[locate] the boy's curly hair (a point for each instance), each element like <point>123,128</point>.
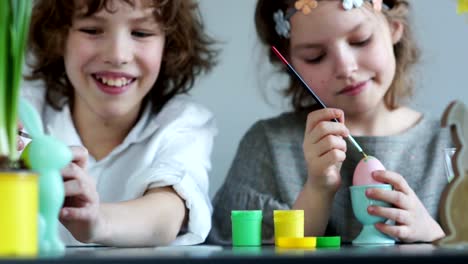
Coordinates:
<point>406,52</point>
<point>188,50</point>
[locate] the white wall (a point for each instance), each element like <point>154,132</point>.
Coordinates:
<point>234,90</point>
<point>443,37</point>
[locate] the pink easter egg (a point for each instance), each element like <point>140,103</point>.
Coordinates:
<point>362,173</point>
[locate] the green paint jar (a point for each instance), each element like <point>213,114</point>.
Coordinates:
<point>246,228</point>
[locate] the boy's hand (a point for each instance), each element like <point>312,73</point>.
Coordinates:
<point>324,148</point>
<point>413,222</point>
<point>80,212</point>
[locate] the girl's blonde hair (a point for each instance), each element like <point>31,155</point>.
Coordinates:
<point>406,52</point>
<point>188,50</point>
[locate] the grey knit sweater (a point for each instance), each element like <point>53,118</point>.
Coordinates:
<point>269,171</point>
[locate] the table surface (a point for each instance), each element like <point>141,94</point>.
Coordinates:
<point>405,253</point>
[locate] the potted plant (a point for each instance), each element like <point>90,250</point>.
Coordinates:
<point>18,186</point>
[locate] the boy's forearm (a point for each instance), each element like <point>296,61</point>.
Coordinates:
<point>152,220</point>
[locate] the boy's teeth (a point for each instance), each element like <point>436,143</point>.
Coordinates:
<point>119,82</point>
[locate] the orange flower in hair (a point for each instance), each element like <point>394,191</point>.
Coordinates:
<point>305,6</point>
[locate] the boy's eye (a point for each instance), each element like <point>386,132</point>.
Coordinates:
<point>90,31</point>
<point>142,34</point>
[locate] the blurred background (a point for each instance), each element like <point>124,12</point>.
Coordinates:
<point>241,90</point>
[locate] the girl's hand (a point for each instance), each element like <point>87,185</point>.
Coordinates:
<point>80,212</point>
<point>413,222</point>
<point>325,148</point>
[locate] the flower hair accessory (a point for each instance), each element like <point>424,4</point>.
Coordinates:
<point>349,4</point>
<point>305,6</point>
<point>282,25</point>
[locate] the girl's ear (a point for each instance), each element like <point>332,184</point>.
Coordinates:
<point>397,28</point>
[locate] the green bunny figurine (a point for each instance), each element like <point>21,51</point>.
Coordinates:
<point>47,156</point>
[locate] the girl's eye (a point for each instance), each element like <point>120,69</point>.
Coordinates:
<point>362,43</point>
<point>314,60</point>
<point>90,31</point>
<point>141,34</point>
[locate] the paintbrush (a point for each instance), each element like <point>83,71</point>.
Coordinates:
<point>24,134</point>
<point>316,98</point>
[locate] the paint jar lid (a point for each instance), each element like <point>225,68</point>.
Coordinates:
<point>296,242</point>
<point>246,214</point>
<point>328,241</point>
<point>287,214</point>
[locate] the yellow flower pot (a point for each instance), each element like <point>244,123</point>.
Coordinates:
<point>18,213</point>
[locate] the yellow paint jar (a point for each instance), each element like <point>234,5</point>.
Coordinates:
<point>19,205</point>
<point>288,223</point>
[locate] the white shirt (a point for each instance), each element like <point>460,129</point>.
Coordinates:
<point>171,148</point>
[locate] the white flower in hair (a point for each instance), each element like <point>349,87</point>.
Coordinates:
<point>282,26</point>
<point>350,4</point>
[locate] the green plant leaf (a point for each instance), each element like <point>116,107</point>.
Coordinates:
<point>14,26</point>
<point>4,39</point>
